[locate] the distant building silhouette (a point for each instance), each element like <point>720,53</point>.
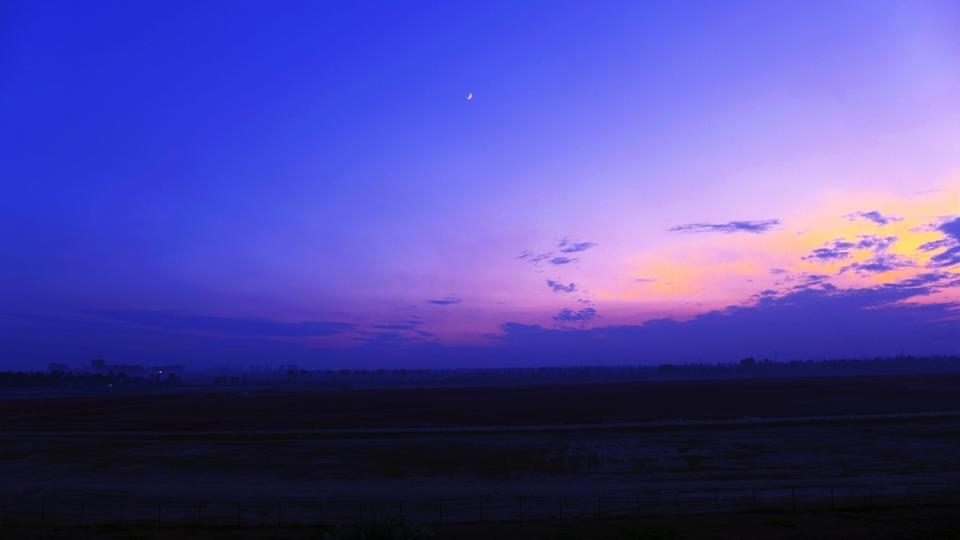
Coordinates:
<point>101,367</point>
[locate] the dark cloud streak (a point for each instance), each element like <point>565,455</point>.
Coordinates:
<point>567,247</point>
<point>841,248</point>
<point>235,326</point>
<point>567,315</point>
<point>755,227</point>
<point>446,301</point>
<point>874,216</point>
<point>559,287</point>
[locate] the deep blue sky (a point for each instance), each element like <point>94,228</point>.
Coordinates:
<point>253,182</point>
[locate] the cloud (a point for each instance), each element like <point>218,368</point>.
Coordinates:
<point>806,281</point>
<point>936,244</point>
<point>952,228</point>
<point>778,271</point>
<point>565,245</point>
<point>876,243</point>
<point>567,315</point>
<point>533,258</point>
<point>403,325</point>
<point>942,279</point>
<point>841,248</point>
<point>235,326</point>
<point>810,323</point>
<point>644,280</point>
<point>827,254</point>
<point>568,246</point>
<point>403,333</point>
<point>383,338</point>
<point>559,287</point>
<point>950,256</point>
<point>873,216</point>
<point>878,264</point>
<point>754,227</point>
<point>29,342</point>
<point>446,301</point>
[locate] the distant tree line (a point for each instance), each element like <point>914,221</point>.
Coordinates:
<point>59,379</point>
<point>361,378</point>
<point>746,368</point>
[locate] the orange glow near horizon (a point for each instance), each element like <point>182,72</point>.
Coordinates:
<point>714,270</point>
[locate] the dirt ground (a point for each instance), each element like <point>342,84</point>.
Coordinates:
<point>280,409</point>
<point>89,456</point>
<point>927,523</point>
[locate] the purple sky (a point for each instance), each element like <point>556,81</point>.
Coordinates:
<point>637,182</point>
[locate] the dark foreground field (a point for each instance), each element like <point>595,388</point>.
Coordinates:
<point>924,523</point>
<point>488,406</point>
<point>587,457</point>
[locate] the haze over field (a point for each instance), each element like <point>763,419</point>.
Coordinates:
<point>522,183</point>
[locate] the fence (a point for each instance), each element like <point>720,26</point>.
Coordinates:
<point>468,510</point>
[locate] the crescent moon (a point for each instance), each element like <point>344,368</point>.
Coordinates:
<point>469,96</point>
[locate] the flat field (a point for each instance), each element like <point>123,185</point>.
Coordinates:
<point>573,443</point>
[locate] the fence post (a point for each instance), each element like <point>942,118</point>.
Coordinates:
<point>639,512</point>
<point>910,495</point>
<point>677,501</point>
<point>239,513</point>
<point>870,496</point>
<point>756,504</point>
<point>833,500</point>
<point>793,498</point>
<point>716,500</point>
<point>279,514</point>
<point>121,511</point>
<point>598,507</point>
<point>158,514</point>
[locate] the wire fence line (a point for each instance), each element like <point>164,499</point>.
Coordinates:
<point>470,510</point>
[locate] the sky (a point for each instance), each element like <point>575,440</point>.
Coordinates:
<point>256,183</point>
